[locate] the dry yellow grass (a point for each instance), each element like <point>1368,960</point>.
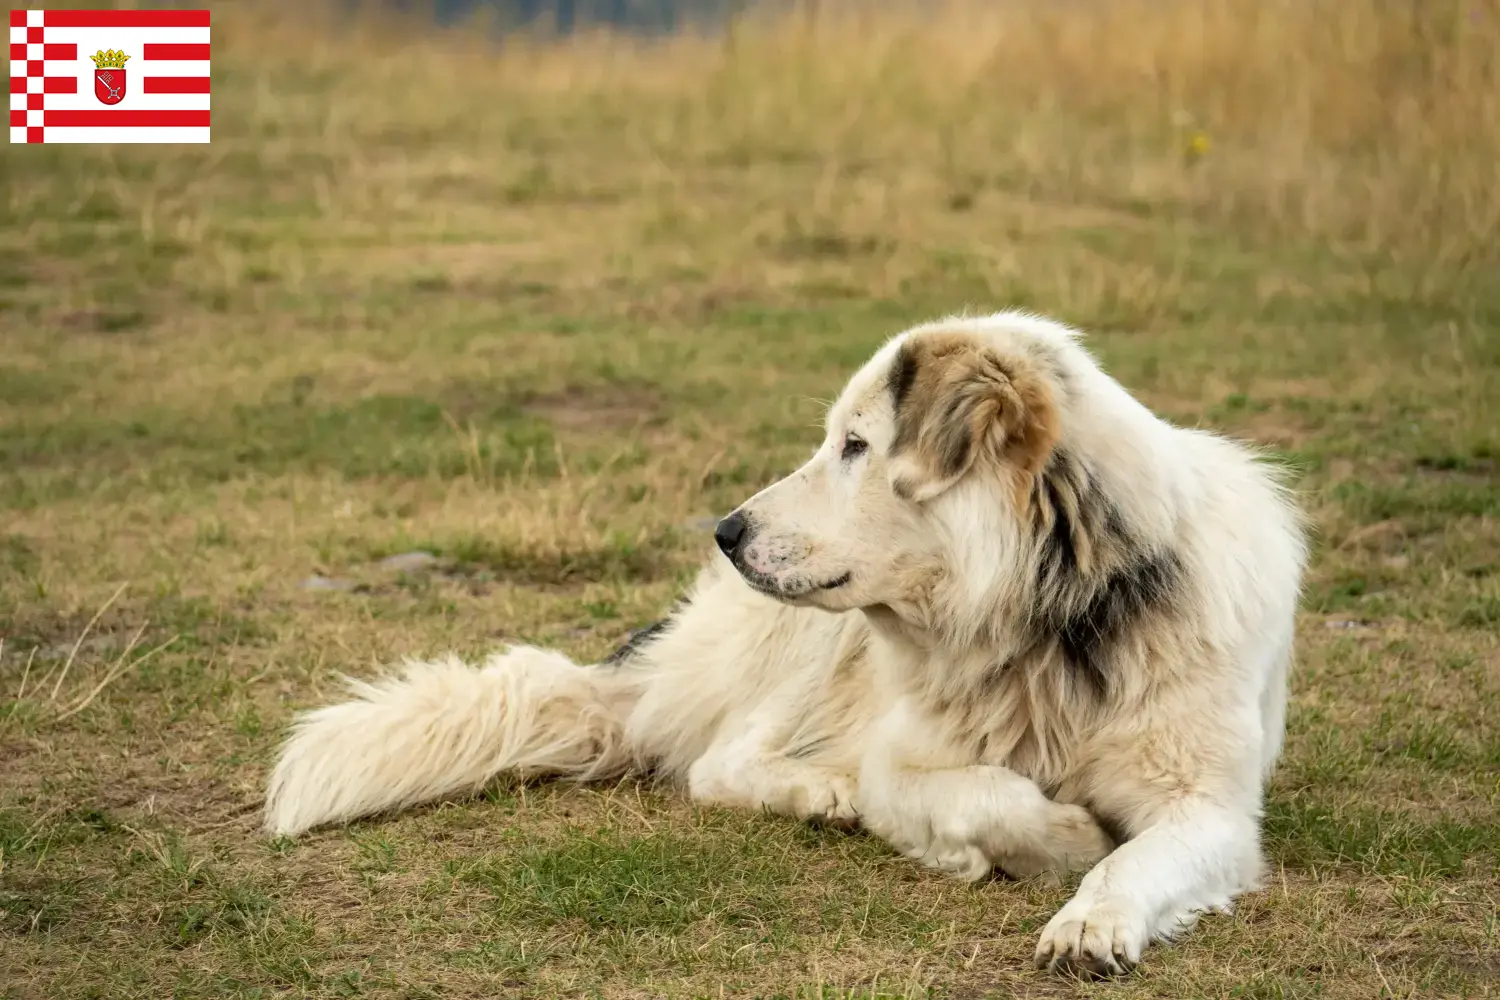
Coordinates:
<point>1369,122</point>
<point>542,308</point>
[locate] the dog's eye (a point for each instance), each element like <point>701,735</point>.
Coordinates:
<point>854,446</point>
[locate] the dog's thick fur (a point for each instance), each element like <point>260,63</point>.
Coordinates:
<point>1004,617</point>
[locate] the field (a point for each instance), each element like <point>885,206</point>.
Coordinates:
<point>543,311</point>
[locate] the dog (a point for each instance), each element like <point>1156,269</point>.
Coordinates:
<point>1005,617</point>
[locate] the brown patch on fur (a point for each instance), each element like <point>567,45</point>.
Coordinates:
<point>960,401</point>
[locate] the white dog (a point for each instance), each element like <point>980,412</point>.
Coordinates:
<point>1002,610</point>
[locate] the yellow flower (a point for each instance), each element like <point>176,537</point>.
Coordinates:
<point>1198,145</point>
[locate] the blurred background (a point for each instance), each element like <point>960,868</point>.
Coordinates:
<point>562,17</point>
<point>472,317</point>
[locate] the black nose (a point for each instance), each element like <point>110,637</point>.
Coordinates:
<point>730,532</point>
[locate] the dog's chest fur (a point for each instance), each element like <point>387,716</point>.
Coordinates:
<point>1029,713</point>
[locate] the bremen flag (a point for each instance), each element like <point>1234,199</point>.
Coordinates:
<point>109,76</point>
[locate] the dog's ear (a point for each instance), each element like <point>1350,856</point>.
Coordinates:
<point>958,403</point>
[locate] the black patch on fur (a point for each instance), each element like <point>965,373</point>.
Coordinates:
<point>1085,524</point>
<point>1124,597</point>
<point>636,640</point>
<point>903,373</point>
<point>1059,557</point>
<point>1095,580</point>
<point>643,636</point>
<point>958,438</point>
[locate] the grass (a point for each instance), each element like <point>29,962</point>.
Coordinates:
<point>541,310</point>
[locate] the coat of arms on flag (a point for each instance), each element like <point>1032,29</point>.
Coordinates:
<point>109,76</point>
<point>57,56</point>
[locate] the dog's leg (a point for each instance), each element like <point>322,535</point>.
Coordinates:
<point>1197,858</point>
<point>745,768</point>
<point>1190,803</point>
<point>967,819</point>
<point>783,785</point>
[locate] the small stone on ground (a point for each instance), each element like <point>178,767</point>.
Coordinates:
<point>316,582</point>
<point>408,562</point>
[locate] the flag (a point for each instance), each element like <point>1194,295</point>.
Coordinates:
<point>109,76</point>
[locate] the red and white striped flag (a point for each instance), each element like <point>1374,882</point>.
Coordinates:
<point>109,76</point>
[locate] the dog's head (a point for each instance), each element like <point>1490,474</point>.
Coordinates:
<point>930,444</point>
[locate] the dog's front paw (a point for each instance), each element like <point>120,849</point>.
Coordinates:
<point>951,857</point>
<point>1093,940</point>
<point>948,847</point>
<point>828,803</point>
<point>1071,841</point>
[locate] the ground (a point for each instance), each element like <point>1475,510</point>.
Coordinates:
<point>544,312</point>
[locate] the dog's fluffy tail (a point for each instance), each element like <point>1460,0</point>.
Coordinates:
<point>444,727</point>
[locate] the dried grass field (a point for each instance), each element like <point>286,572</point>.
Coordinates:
<point>540,310</point>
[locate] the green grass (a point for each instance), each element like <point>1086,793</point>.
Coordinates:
<point>544,315</point>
